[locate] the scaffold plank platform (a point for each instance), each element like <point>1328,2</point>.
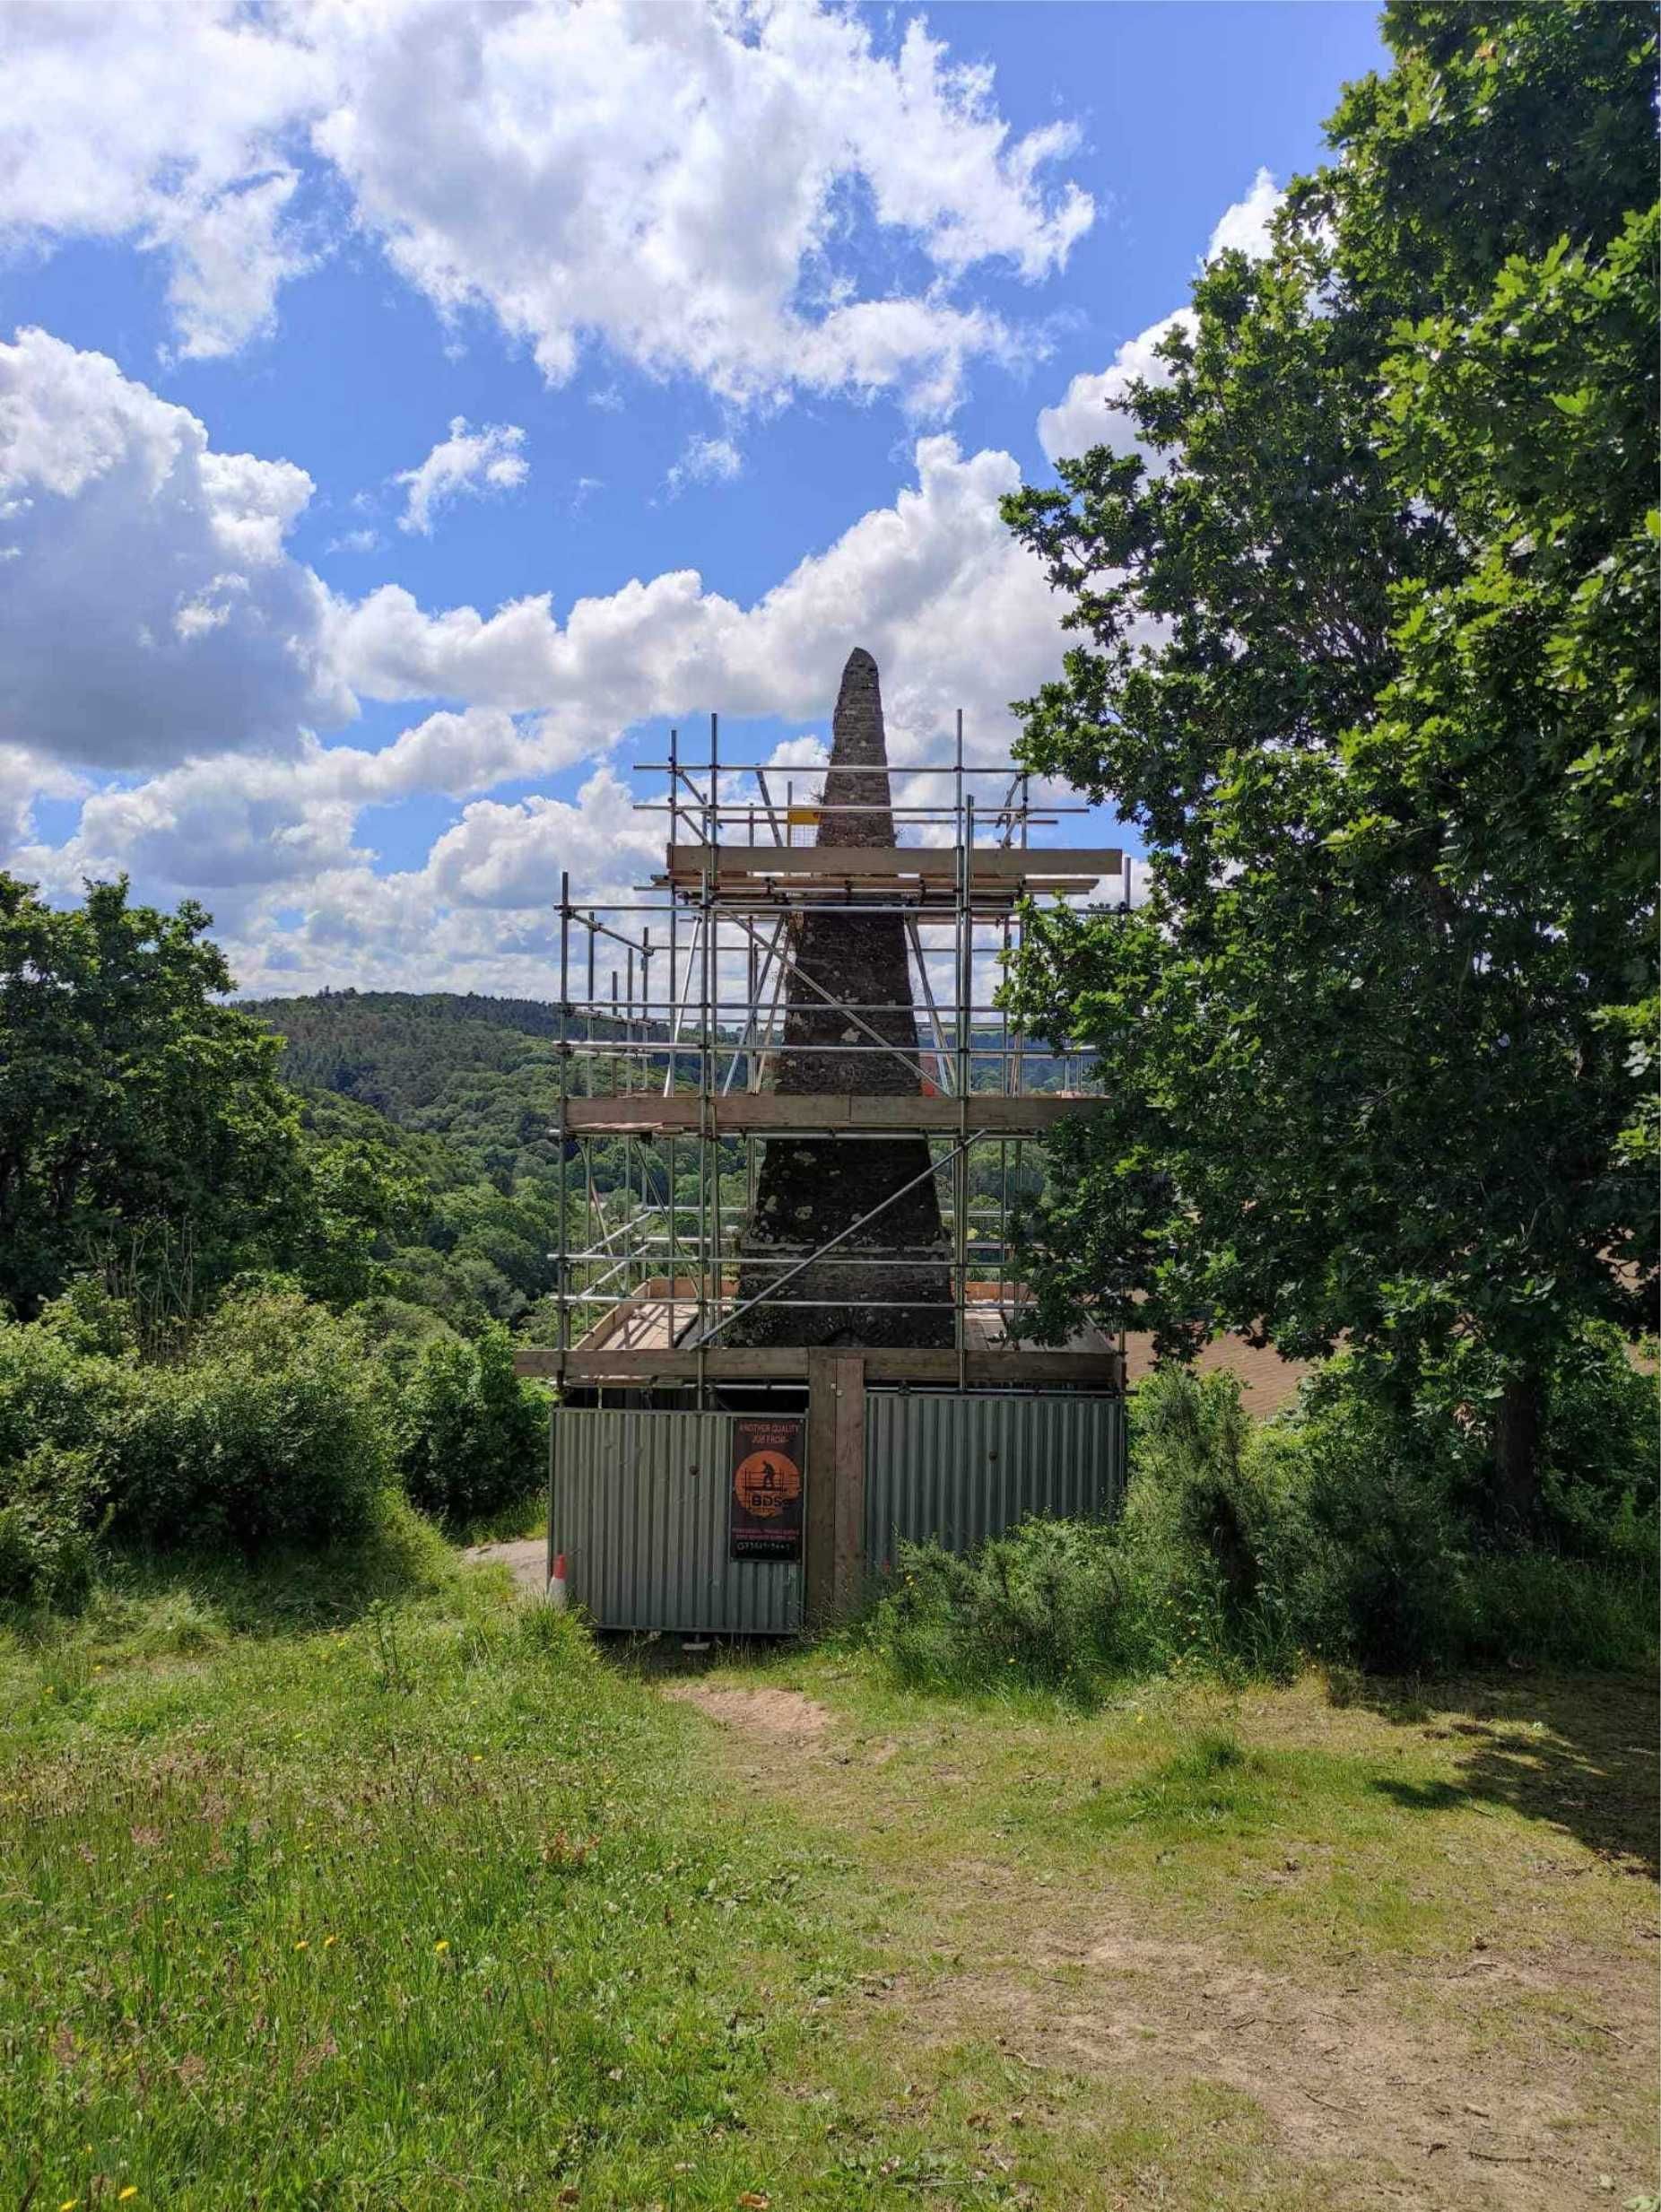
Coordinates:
<point>718,967</point>
<point>762,1113</point>
<point>1012,1368</point>
<point>1004,870</point>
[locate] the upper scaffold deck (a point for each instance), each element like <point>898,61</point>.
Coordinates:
<point>709,983</point>
<point>772,1113</point>
<point>994,877</point>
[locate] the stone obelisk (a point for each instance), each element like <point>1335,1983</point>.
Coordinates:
<point>811,1189</point>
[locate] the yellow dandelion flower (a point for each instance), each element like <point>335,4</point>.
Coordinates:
<point>443,1943</point>
<point>329,1942</point>
<point>303,1947</point>
<point>69,2204</point>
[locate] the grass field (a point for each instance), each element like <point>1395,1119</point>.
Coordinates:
<point>379,1888</point>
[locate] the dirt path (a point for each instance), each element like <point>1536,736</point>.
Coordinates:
<point>772,1713</point>
<point>1504,2077</point>
<point>526,1560</point>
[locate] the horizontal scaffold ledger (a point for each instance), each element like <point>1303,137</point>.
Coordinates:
<point>888,1281</point>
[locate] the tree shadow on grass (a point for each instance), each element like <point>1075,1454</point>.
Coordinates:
<point>181,1601</point>
<point>1576,1753</point>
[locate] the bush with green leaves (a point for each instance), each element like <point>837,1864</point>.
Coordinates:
<point>50,1504</point>
<point>272,1431</point>
<point>1336,1536</point>
<point>269,1430</point>
<point>54,1389</point>
<point>471,1434</point>
<point>1599,1493</point>
<point>1382,1573</point>
<point>1214,1522</point>
<point>1048,1606</point>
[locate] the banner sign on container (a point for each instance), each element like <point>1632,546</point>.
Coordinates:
<point>764,1505</point>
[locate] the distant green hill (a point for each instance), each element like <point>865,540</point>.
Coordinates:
<point>468,1085</point>
<point>399,1051</point>
<point>459,1088</point>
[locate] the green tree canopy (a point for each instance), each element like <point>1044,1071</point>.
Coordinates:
<point>141,1122</point>
<point>1367,651</point>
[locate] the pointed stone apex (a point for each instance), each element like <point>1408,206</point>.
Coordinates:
<point>857,743</point>
<point>857,737</point>
<point>859,701</point>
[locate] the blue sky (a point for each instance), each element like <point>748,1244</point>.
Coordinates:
<point>723,326</point>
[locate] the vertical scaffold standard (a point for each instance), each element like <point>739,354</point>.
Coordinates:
<point>876,1205</point>
<point>792,1120</point>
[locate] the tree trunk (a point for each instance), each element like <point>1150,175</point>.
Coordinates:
<point>1516,1449</point>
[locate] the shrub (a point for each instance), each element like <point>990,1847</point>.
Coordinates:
<point>1213,1520</point>
<point>273,1431</point>
<point>48,1510</point>
<point>1044,1607</point>
<point>88,1317</point>
<point>1382,1575</point>
<point>1336,1535</point>
<point>1553,1611</point>
<point>270,1431</point>
<point>470,1432</point>
<point>53,1392</point>
<point>398,1333</point>
<point>1599,1489</point>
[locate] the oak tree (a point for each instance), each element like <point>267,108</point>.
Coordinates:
<point>1365,619</point>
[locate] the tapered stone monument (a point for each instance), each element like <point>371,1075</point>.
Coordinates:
<point>810,1191</point>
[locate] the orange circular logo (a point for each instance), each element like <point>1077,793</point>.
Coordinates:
<point>766,1483</point>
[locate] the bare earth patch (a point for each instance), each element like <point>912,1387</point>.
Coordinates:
<point>757,1712</point>
<point>1514,2075</point>
<point>1387,2082</point>
<point>525,1559</point>
<point>770,1713</point>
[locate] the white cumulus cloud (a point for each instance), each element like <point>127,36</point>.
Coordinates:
<point>954,608</point>
<point>150,609</point>
<point>679,183</point>
<point>1090,415</point>
<point>168,125</point>
<point>163,636</point>
<point>705,460</point>
<point>468,463</point>
<point>1244,228</point>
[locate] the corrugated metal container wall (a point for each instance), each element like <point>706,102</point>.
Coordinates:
<point>961,1468</point>
<point>639,1510</point>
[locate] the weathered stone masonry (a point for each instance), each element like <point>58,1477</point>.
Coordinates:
<point>810,1189</point>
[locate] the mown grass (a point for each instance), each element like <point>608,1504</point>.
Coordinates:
<point>1312,1823</point>
<point>413,1907</point>
<point>363,1884</point>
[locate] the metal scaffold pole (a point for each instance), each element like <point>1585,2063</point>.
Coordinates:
<point>738,914</point>
<point>706,1069</point>
<point>965,1016</point>
<point>563,1321</point>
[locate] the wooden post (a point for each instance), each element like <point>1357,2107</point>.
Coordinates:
<point>834,1572</point>
<point>819,1570</point>
<point>848,1554</point>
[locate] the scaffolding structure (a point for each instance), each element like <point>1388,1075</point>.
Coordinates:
<point>671,1015</point>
